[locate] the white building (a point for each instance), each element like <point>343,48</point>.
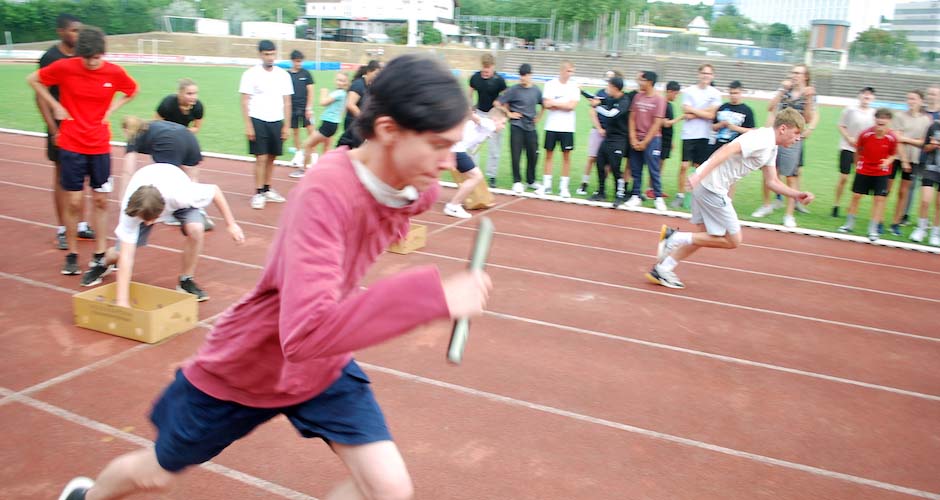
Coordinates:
<point>797,14</point>
<point>921,23</point>
<point>382,10</point>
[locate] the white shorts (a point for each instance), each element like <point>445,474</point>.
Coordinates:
<point>594,143</point>
<point>715,211</point>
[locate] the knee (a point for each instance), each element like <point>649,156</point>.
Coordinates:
<point>101,202</point>
<point>195,231</point>
<point>734,242</point>
<point>397,488</point>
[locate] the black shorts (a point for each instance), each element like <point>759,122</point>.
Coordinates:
<point>464,162</point>
<point>846,161</point>
<point>298,119</point>
<point>666,149</point>
<point>183,215</point>
<point>193,426</point>
<point>870,184</point>
<point>76,166</point>
<point>350,137</point>
<point>696,150</point>
<point>906,176</point>
<point>267,138</point>
<point>52,151</point>
<point>565,138</point>
<point>327,129</point>
<point>611,153</point>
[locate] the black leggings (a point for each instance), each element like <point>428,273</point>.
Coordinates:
<point>610,154</point>
<point>518,139</point>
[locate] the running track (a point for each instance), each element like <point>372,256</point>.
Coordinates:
<point>791,368</point>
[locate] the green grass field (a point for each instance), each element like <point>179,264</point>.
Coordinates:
<point>223,132</point>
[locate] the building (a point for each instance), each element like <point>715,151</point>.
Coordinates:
<point>372,16</point>
<point>920,21</point>
<point>798,14</point>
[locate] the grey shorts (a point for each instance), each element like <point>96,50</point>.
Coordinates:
<point>184,215</point>
<point>594,143</point>
<point>789,160</point>
<point>715,211</point>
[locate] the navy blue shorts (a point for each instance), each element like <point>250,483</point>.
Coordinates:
<point>193,427</point>
<point>76,166</point>
<point>464,163</point>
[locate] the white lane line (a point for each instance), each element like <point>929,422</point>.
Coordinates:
<point>460,222</point>
<point>262,484</point>
<point>689,298</point>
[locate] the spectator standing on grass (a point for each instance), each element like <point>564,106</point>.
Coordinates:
<point>930,183</point>
<point>87,85</point>
<point>520,102</point>
<point>356,99</point>
<point>596,136</point>
<point>488,85</point>
<point>301,103</point>
<point>875,152</point>
<point>333,104</point>
<point>183,107</point>
<point>911,127</point>
<point>647,112</point>
<point>795,93</point>
<point>700,102</point>
<point>67,29</point>
<point>672,91</point>
<point>616,108</point>
<point>732,119</point>
<point>560,97</point>
<point>266,106</point>
<point>853,121</point>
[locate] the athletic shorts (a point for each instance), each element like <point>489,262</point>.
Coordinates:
<point>870,184</point>
<point>566,139</point>
<point>930,175</point>
<point>183,215</point>
<point>789,160</point>
<point>916,170</point>
<point>464,163</point>
<point>846,161</point>
<point>327,129</point>
<point>52,151</point>
<point>267,138</point>
<point>696,150</point>
<point>76,166</point>
<point>298,119</point>
<point>666,148</point>
<point>594,143</point>
<point>715,211</point>
<point>193,427</point>
<point>611,153</point>
<point>926,183</point>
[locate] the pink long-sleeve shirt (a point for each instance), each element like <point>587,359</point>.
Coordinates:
<point>290,337</point>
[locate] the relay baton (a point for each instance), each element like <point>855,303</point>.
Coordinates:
<point>481,248</point>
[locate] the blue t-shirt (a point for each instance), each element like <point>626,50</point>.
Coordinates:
<point>335,109</point>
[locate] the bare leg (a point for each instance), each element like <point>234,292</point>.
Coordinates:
<point>902,201</point>
<point>260,163</point>
<point>59,198</point>
<point>853,205</point>
<point>133,472</point>
<point>840,187</point>
<point>878,208</point>
<point>793,183</point>
<point>683,172</point>
<point>378,473</point>
<point>472,178</point>
<point>195,235</point>
<point>100,201</point>
<point>702,239</point>
<point>565,163</point>
<point>72,209</point>
<point>269,169</point>
<point>548,161</point>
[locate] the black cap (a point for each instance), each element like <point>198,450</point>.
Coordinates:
<point>525,69</point>
<point>266,45</point>
<point>673,85</point>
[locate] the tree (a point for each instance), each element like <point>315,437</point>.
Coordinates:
<point>430,36</point>
<point>875,42</point>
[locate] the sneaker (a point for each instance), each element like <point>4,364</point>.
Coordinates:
<point>492,182</point>
<point>95,273</point>
<point>881,228</point>
<point>896,229</point>
<point>540,191</point>
<point>835,212</point>
<point>845,228</point>
<point>918,235</point>
<point>258,201</point>
<point>71,265</point>
<point>801,208</point>
<point>650,194</point>
<point>76,489</point>
<point>454,210</point>
<point>583,189</point>
<point>189,286</point>
<point>535,186</point>
<point>564,193</point>
<point>314,158</point>
<point>87,234</point>
<point>598,196</point>
<point>663,247</point>
<point>298,159</point>
<point>789,221</point>
<point>207,223</point>
<point>873,236</point>
<point>273,196</point>
<point>634,202</point>
<point>677,203</point>
<point>518,188</point>
<point>777,203</point>
<point>667,279</point>
<point>619,199</point>
<point>905,220</point>
<point>660,204</point>
<point>297,173</point>
<point>61,242</point>
<point>762,211</point>
<point>935,239</point>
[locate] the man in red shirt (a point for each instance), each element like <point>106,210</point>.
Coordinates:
<point>875,152</point>
<point>87,85</point>
<point>286,347</point>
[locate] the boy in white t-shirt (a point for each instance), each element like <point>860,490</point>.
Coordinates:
<point>560,97</point>
<point>476,130</point>
<point>712,211</point>
<point>161,192</point>
<point>853,121</point>
<point>700,103</point>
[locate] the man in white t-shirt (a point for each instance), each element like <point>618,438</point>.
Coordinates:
<point>700,102</point>
<point>266,105</point>
<point>155,193</point>
<point>854,120</point>
<point>560,97</point>
<point>712,211</point>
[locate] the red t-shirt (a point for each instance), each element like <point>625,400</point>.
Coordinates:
<point>86,94</point>
<point>872,150</point>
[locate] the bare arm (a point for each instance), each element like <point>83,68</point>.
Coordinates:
<point>116,105</point>
<point>285,128</point>
<point>42,92</point>
<point>233,229</point>
<point>772,181</point>
<point>705,113</point>
<point>631,130</point>
<point>352,103</point>
<point>309,111</point>
<point>197,124</point>
<point>125,268</point>
<point>249,128</point>
<point>325,99</point>
<point>846,135</point>
<point>470,97</point>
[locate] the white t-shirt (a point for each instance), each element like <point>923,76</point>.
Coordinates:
<point>558,120</point>
<point>855,120</point>
<point>267,90</point>
<point>178,191</point>
<point>699,98</point>
<point>474,135</point>
<point>758,149</point>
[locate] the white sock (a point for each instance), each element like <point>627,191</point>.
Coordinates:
<point>682,238</point>
<point>563,184</point>
<point>668,264</point>
<point>680,195</point>
<point>61,230</point>
<point>547,181</point>
<point>83,226</point>
<point>922,223</point>
<point>935,230</point>
<point>585,178</point>
<point>620,185</point>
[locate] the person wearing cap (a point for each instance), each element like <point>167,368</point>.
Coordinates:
<point>520,102</point>
<point>647,112</point>
<point>266,92</point>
